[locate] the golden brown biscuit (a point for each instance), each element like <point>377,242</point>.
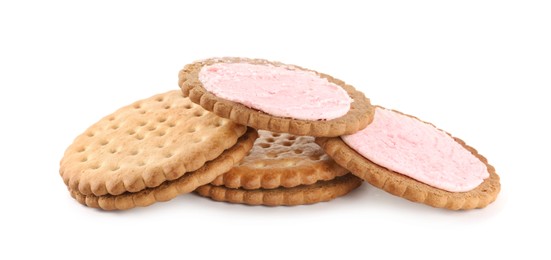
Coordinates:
<point>406,187</point>
<point>146,144</point>
<point>170,189</point>
<point>359,115</point>
<point>300,195</point>
<point>281,160</point>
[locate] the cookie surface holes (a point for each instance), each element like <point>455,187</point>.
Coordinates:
<point>115,168</point>
<point>161,133</point>
<point>142,111</point>
<point>103,142</point>
<point>137,106</point>
<point>95,166</point>
<point>143,123</point>
<point>112,150</point>
<point>287,143</point>
<point>131,132</point>
<point>111,118</point>
<point>167,107</point>
<point>298,151</point>
<point>139,137</point>
<point>292,137</point>
<point>159,99</point>
<point>81,149</point>
<point>151,128</point>
<point>161,119</point>
<point>134,152</point>
<point>141,163</point>
<point>84,159</point>
<point>188,106</point>
<point>171,124</point>
<point>270,140</point>
<point>115,127</point>
<point>191,130</point>
<point>90,134</point>
<point>265,145</point>
<point>168,155</point>
<point>276,134</point>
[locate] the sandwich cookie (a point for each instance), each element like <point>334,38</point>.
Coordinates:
<point>151,150</point>
<point>300,195</point>
<point>282,169</point>
<point>276,97</point>
<point>417,161</point>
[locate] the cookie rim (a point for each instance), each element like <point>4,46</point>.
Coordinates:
<point>280,178</point>
<point>361,112</point>
<point>321,191</point>
<point>168,190</point>
<point>406,187</point>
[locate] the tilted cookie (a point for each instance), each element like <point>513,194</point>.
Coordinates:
<point>148,144</point>
<point>281,160</point>
<point>300,195</point>
<point>276,97</point>
<point>414,160</point>
<point>170,189</point>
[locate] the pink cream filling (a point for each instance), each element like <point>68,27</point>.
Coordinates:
<point>418,150</point>
<point>276,90</point>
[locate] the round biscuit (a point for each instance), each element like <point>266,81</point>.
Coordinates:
<point>145,144</point>
<point>358,117</point>
<point>170,189</point>
<point>411,189</point>
<point>301,195</point>
<point>281,160</point>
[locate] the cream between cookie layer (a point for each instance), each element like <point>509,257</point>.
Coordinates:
<point>418,150</point>
<point>277,90</point>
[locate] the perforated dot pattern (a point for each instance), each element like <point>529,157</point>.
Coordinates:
<point>144,144</point>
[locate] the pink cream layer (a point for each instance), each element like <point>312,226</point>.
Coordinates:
<point>275,90</point>
<point>418,150</point>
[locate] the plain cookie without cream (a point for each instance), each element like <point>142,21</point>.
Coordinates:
<point>320,191</point>
<point>170,189</point>
<point>281,160</point>
<point>145,145</point>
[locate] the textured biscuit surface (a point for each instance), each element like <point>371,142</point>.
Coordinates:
<point>170,189</point>
<point>144,144</point>
<point>408,188</point>
<point>358,117</point>
<point>281,160</point>
<point>300,195</point>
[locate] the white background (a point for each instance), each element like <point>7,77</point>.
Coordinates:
<point>477,69</point>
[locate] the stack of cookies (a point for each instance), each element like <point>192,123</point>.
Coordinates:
<point>266,133</point>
